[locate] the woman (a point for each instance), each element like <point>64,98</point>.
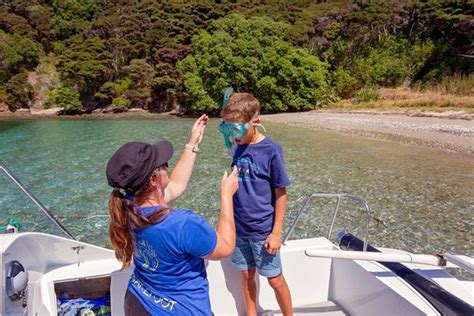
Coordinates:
<point>167,245</point>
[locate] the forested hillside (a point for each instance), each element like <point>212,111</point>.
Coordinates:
<point>165,55</point>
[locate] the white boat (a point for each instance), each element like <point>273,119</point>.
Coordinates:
<point>325,279</point>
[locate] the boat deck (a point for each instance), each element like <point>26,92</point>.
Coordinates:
<point>327,308</point>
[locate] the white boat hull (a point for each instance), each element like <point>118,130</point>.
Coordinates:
<point>319,286</point>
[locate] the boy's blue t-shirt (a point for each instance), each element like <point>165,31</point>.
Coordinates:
<point>170,275</point>
<point>261,169</point>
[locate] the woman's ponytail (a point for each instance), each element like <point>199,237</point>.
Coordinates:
<point>119,230</point>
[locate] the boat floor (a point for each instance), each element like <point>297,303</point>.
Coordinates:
<point>327,308</point>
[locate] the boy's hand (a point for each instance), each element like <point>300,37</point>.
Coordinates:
<point>272,244</point>
<point>198,130</point>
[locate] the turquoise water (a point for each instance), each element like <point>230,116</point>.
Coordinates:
<point>425,197</point>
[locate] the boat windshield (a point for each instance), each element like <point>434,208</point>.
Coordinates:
<point>21,211</point>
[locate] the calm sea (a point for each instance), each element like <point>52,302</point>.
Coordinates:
<point>423,198</point>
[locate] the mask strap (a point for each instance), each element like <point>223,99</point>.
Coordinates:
<point>227,94</point>
<point>257,124</point>
<point>260,125</point>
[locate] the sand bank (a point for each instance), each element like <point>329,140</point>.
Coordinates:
<point>448,130</point>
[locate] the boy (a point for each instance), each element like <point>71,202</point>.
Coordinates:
<point>260,201</point>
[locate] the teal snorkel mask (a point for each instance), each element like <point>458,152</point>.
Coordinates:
<point>232,131</point>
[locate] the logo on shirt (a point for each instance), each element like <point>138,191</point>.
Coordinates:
<point>148,255</point>
<point>163,302</point>
<point>246,169</point>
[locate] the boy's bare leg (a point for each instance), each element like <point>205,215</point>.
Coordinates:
<point>282,293</point>
<point>249,287</point>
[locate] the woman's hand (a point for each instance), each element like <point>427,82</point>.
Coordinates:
<point>225,223</point>
<point>229,184</point>
<point>181,174</point>
<point>197,132</point>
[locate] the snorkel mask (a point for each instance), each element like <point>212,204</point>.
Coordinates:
<point>232,131</point>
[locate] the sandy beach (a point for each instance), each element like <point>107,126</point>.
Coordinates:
<point>447,131</point>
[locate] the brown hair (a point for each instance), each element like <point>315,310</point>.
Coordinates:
<point>241,107</point>
<point>125,217</point>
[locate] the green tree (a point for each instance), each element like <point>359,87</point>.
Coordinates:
<point>362,44</point>
<point>19,91</point>
<point>111,90</point>
<point>12,23</point>
<point>17,52</point>
<point>194,86</point>
<point>251,55</point>
<point>66,98</point>
<point>167,84</point>
<point>141,73</point>
<point>85,65</point>
<point>71,16</point>
<point>37,15</point>
<point>394,42</point>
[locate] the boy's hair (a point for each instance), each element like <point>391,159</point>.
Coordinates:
<point>241,107</point>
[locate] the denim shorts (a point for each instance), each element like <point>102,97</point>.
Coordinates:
<point>249,254</point>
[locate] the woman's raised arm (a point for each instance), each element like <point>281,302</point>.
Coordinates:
<point>181,174</point>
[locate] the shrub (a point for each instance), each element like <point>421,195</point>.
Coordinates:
<point>457,84</point>
<point>367,94</point>
<point>111,90</point>
<point>121,102</point>
<point>385,65</point>
<point>345,84</point>
<point>66,98</point>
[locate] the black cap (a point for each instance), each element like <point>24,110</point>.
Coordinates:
<point>132,164</point>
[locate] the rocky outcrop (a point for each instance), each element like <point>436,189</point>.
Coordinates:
<point>3,107</point>
<point>44,79</point>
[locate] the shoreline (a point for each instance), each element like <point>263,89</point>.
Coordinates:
<point>132,113</point>
<point>450,130</point>
<point>439,131</point>
<point>52,115</point>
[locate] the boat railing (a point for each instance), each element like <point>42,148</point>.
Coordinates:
<point>31,196</point>
<point>339,197</point>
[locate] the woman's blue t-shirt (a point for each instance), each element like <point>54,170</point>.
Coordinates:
<point>170,275</point>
